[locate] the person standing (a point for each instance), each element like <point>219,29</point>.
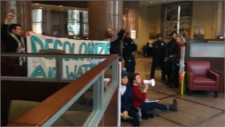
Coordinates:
<point>109,34</point>
<point>158,54</point>
<point>172,61</point>
<point>116,45</point>
<point>14,43</point>
<point>12,35</point>
<point>129,53</point>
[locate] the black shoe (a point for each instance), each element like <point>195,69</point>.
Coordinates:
<point>173,107</point>
<point>128,119</point>
<point>163,79</point>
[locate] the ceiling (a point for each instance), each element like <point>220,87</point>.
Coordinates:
<point>156,2</point>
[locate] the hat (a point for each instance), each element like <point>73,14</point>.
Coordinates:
<point>124,73</point>
<point>159,35</point>
<point>173,32</point>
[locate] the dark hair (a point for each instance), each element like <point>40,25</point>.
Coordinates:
<point>13,27</point>
<point>173,32</point>
<point>159,35</point>
<point>132,78</point>
<point>121,33</point>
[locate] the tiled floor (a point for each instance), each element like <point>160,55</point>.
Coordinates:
<point>200,109</point>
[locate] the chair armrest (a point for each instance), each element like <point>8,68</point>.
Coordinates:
<point>213,75</point>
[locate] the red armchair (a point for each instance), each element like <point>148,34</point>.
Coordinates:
<point>200,77</point>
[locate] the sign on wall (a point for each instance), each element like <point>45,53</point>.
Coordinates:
<point>71,67</point>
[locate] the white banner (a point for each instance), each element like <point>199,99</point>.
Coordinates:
<point>72,67</point>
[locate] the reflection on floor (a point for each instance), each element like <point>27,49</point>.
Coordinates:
<point>200,109</point>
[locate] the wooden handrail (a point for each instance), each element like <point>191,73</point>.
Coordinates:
<point>46,109</point>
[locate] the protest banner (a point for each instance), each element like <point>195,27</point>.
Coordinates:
<point>71,67</point>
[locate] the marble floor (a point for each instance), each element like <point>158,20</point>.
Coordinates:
<point>200,109</point>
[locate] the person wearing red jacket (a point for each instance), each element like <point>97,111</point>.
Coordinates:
<point>140,97</point>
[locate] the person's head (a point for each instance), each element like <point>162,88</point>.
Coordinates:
<point>159,36</point>
<point>15,29</point>
<point>135,79</point>
<point>180,39</point>
<point>109,33</point>
<point>174,34</point>
<point>121,33</point>
<point>124,78</point>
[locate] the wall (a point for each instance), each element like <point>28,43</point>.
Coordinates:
<point>205,14</point>
<point>149,21</point>
<point>143,27</point>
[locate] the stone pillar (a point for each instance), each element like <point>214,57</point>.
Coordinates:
<point>22,10</point>
<point>102,15</point>
<point>220,19</point>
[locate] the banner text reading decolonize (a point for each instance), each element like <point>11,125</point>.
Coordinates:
<point>72,67</point>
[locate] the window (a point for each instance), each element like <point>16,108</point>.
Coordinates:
<point>73,26</point>
<point>177,17</point>
<point>37,21</point>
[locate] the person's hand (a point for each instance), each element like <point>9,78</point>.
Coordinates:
<point>145,88</point>
<point>134,53</point>
<point>166,59</point>
<point>146,99</point>
<point>124,114</point>
<point>9,17</point>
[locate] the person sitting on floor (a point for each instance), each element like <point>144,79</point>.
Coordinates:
<point>126,92</point>
<point>140,97</point>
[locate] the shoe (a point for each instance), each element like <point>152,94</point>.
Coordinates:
<point>173,107</point>
<point>163,79</point>
<point>128,119</point>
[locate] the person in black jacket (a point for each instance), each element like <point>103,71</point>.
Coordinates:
<point>127,111</point>
<point>172,61</point>
<point>12,36</point>
<point>116,45</point>
<point>14,42</point>
<point>129,53</point>
<point>158,51</point>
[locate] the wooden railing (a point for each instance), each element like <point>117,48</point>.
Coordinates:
<point>47,109</point>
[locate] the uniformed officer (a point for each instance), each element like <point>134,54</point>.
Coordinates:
<point>172,61</point>
<point>129,53</point>
<point>158,51</point>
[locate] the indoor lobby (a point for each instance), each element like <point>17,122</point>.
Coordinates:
<point>64,72</point>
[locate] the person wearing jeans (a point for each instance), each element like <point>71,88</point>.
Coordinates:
<point>140,97</point>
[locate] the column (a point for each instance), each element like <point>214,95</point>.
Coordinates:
<point>220,19</point>
<point>22,10</point>
<point>102,15</point>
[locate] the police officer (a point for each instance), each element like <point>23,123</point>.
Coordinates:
<point>129,53</point>
<point>172,61</point>
<point>158,51</point>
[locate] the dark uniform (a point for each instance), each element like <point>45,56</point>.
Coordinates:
<point>172,63</point>
<point>158,51</point>
<point>128,47</point>
<point>15,66</point>
<point>117,45</point>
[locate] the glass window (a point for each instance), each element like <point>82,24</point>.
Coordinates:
<point>37,21</point>
<point>73,28</point>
